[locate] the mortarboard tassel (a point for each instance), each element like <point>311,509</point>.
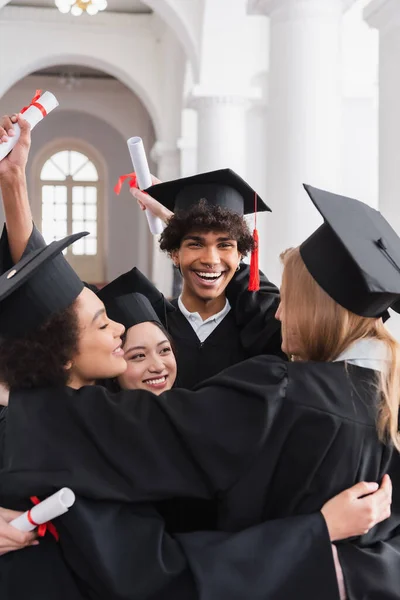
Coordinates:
<point>254,279</point>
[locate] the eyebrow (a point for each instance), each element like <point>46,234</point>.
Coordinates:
<point>199,238</point>
<point>144,347</point>
<point>98,314</point>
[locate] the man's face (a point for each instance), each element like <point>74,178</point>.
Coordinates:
<point>208,261</point>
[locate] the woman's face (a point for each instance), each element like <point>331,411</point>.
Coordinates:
<point>100,354</point>
<point>151,361</point>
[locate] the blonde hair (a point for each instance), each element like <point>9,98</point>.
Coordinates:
<point>325,329</point>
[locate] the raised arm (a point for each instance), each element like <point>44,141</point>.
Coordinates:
<point>13,186</point>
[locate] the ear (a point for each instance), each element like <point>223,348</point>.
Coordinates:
<point>68,365</point>
<point>175,257</point>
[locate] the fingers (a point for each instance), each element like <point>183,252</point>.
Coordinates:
<point>154,180</point>
<point>25,137</point>
<point>363,489</point>
<point>6,127</point>
<point>8,515</point>
<point>140,196</point>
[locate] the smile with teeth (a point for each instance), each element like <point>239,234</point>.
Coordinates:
<point>157,381</point>
<point>118,350</point>
<point>208,275</point>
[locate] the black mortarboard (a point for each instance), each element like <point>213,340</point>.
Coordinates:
<point>130,310</point>
<point>38,286</point>
<point>223,188</point>
<point>133,283</point>
<point>354,256</point>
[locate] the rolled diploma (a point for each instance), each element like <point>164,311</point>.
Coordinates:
<point>54,506</point>
<point>139,161</point>
<point>33,115</point>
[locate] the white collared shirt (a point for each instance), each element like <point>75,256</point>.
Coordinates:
<point>369,353</point>
<point>203,328</point>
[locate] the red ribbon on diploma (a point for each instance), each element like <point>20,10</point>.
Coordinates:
<point>34,102</point>
<point>43,527</point>
<point>132,182</point>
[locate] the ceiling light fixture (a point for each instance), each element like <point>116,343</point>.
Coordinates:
<point>78,7</point>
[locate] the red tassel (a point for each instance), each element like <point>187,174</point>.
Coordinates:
<point>254,279</point>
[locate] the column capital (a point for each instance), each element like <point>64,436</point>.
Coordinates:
<point>382,14</point>
<point>285,9</point>
<point>200,98</point>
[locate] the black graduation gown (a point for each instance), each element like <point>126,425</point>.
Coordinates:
<point>272,440</point>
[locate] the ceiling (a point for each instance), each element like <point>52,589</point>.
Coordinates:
<point>119,6</point>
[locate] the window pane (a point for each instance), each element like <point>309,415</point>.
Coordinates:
<point>78,248</point>
<point>60,212</point>
<point>78,194</point>
<point>91,227</point>
<point>91,247</point>
<point>90,195</point>
<point>77,212</point>
<point>47,194</point>
<point>77,161</point>
<point>60,229</point>
<point>47,212</point>
<point>60,194</point>
<point>50,172</point>
<point>78,226</point>
<point>61,160</point>
<point>91,212</point>
<point>87,173</point>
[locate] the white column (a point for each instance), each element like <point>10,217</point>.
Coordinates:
<point>167,158</point>
<point>304,116</point>
<point>221,131</point>
<point>384,15</point>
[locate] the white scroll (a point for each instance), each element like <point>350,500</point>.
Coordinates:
<point>140,164</point>
<point>34,114</point>
<point>54,506</point>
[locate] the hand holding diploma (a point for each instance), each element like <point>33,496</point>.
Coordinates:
<point>147,202</point>
<point>10,538</point>
<point>54,506</point>
<point>14,164</point>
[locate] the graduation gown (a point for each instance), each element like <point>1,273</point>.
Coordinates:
<point>271,440</point>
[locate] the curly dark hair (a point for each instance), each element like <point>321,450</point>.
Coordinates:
<point>38,359</point>
<point>203,217</point>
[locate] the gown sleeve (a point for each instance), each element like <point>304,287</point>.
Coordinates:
<point>254,312</point>
<point>35,242</point>
<point>283,559</point>
<point>194,443</point>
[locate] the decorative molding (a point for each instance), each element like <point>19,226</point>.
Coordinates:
<point>383,15</point>
<point>285,10</point>
<point>27,15</point>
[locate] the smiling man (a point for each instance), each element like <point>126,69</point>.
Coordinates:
<point>217,321</point>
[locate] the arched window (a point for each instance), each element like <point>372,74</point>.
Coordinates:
<point>70,195</point>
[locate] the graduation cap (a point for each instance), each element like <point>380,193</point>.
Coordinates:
<point>38,286</point>
<point>220,188</point>
<point>130,310</point>
<point>115,296</point>
<point>354,256</point>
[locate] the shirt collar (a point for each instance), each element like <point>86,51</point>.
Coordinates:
<point>369,353</point>
<point>217,317</point>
